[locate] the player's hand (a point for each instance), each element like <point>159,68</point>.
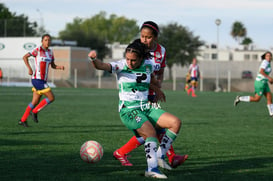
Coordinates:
<point>160,96</point>
<point>92,54</point>
<point>61,67</point>
<point>30,72</point>
<point>270,80</point>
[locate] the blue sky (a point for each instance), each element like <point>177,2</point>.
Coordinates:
<point>198,15</point>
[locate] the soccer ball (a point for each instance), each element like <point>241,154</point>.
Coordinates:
<point>91,151</point>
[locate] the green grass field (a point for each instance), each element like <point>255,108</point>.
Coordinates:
<point>223,142</point>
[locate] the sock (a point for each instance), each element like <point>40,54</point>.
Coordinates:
<point>150,151</point>
<point>189,91</point>
<point>170,153</point>
<point>244,98</point>
<point>41,105</point>
<point>165,144</point>
<point>270,109</point>
<point>27,111</point>
<point>193,91</point>
<point>132,144</point>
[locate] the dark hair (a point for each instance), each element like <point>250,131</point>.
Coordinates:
<point>44,35</point>
<point>139,48</point>
<point>263,56</point>
<point>151,25</point>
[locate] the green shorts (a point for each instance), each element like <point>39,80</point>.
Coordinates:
<point>133,118</point>
<point>261,87</point>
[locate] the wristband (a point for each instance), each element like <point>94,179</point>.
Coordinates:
<point>93,59</point>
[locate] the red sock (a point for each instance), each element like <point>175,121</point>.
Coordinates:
<point>26,114</point>
<point>41,105</point>
<point>129,146</point>
<point>170,154</point>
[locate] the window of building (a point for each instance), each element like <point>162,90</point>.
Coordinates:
<point>214,56</point>
<point>206,56</point>
<point>247,57</point>
<point>255,57</point>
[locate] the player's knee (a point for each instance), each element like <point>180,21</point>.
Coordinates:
<point>176,124</point>
<point>52,99</point>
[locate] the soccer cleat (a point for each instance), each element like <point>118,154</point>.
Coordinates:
<point>23,123</point>
<point>163,164</point>
<point>193,95</point>
<point>122,158</point>
<point>237,100</point>
<point>155,173</point>
<point>34,117</point>
<point>178,160</point>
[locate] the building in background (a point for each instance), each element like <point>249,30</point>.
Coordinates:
<point>12,50</point>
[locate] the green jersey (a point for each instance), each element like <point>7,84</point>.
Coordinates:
<point>133,83</point>
<point>267,69</point>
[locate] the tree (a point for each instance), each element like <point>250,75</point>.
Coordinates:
<point>181,45</point>
<point>15,25</point>
<point>238,31</point>
<point>246,42</point>
<point>96,31</point>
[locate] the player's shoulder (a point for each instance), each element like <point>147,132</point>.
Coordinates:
<point>161,47</point>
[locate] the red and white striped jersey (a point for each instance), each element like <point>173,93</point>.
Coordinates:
<point>43,59</point>
<point>159,60</point>
<point>159,57</point>
<point>194,70</point>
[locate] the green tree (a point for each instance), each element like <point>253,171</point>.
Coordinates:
<point>181,45</point>
<point>15,25</point>
<point>238,31</point>
<point>98,30</point>
<point>246,42</point>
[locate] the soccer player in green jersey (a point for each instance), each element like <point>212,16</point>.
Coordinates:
<point>135,77</point>
<point>261,84</point>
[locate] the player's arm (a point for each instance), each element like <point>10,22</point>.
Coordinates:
<point>198,73</point>
<point>25,58</point>
<point>160,96</point>
<point>265,75</point>
<point>97,63</point>
<point>54,66</point>
<point>160,76</point>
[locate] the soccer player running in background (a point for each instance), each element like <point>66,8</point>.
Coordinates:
<point>43,58</point>
<point>261,84</point>
<point>195,74</point>
<point>149,36</point>
<point>135,77</point>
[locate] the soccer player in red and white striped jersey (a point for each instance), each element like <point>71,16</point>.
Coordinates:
<point>43,59</point>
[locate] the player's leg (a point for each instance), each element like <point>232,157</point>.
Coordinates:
<point>174,159</point>
<point>49,98</point>
<point>259,90</point>
<point>173,124</point>
<point>35,99</point>
<point>138,122</point>
<point>121,153</point>
<point>268,96</point>
<point>194,85</point>
<point>148,132</point>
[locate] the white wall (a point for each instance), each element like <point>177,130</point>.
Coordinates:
<point>12,50</point>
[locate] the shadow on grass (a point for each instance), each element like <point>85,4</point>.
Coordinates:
<point>27,164</point>
<point>237,169</point>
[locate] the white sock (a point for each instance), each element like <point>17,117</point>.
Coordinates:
<point>150,147</point>
<point>164,146</point>
<point>244,98</point>
<point>270,109</point>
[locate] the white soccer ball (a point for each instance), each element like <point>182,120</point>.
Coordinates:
<point>91,151</point>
